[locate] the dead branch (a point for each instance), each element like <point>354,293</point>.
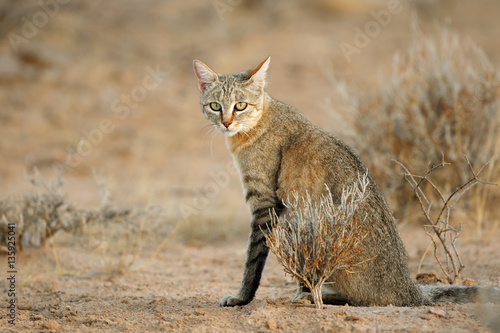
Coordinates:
<point>440,225</point>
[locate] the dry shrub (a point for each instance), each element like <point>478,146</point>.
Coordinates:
<point>44,212</point>
<point>438,223</point>
<point>312,240</point>
<point>37,215</point>
<point>443,98</point>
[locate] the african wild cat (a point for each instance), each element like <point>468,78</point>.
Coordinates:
<point>277,151</point>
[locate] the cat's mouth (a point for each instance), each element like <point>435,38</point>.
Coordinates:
<point>227,131</point>
<point>230,129</point>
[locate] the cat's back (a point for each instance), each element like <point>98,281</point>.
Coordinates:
<point>312,158</point>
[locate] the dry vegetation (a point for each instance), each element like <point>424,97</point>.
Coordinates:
<point>44,211</point>
<point>312,240</point>
<point>38,215</point>
<point>443,97</point>
<point>437,216</point>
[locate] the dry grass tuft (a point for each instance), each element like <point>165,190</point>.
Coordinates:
<point>443,98</point>
<point>313,240</point>
<point>37,215</point>
<point>119,234</point>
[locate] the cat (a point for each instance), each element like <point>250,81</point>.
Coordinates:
<point>278,151</point>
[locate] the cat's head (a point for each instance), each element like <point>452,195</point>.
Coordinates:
<point>233,103</point>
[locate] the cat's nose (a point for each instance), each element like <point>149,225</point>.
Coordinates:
<point>226,123</point>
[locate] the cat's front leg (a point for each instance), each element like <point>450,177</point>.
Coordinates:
<point>302,293</point>
<point>255,261</point>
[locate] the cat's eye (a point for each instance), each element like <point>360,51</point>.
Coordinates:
<point>215,106</point>
<point>240,106</point>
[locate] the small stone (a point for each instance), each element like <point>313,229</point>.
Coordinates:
<point>355,318</point>
<point>426,278</point>
<point>36,317</point>
<point>469,282</point>
<point>302,301</point>
<point>84,328</point>
<point>271,324</point>
<point>51,325</point>
<point>199,312</point>
<point>438,312</point>
<point>25,307</point>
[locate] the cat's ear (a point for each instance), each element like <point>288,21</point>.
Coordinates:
<point>205,75</point>
<point>258,75</point>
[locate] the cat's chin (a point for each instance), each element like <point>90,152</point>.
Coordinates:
<point>230,133</point>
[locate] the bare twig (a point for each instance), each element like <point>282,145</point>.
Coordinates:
<point>440,224</point>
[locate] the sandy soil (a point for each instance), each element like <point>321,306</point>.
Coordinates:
<point>64,81</point>
<point>178,287</point>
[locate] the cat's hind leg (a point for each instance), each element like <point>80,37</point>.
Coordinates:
<point>333,297</point>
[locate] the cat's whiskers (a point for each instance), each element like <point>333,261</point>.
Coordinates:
<point>212,127</point>
<point>209,125</point>
<point>214,134</point>
<point>246,132</point>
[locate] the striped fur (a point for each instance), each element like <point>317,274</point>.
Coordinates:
<point>277,151</point>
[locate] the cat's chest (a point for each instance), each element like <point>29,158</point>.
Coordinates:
<point>278,173</point>
<point>258,168</point>
<point>263,163</point>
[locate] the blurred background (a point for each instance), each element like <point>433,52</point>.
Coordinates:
<point>103,94</point>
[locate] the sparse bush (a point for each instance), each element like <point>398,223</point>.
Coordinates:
<point>37,215</point>
<point>438,219</point>
<point>312,240</point>
<point>443,98</point>
<point>44,211</point>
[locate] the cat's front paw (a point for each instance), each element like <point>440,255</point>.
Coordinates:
<point>232,301</point>
<point>303,296</point>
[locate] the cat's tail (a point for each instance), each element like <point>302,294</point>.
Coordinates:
<point>460,294</point>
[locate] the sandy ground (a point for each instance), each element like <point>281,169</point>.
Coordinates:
<point>70,75</point>
<point>177,288</point>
